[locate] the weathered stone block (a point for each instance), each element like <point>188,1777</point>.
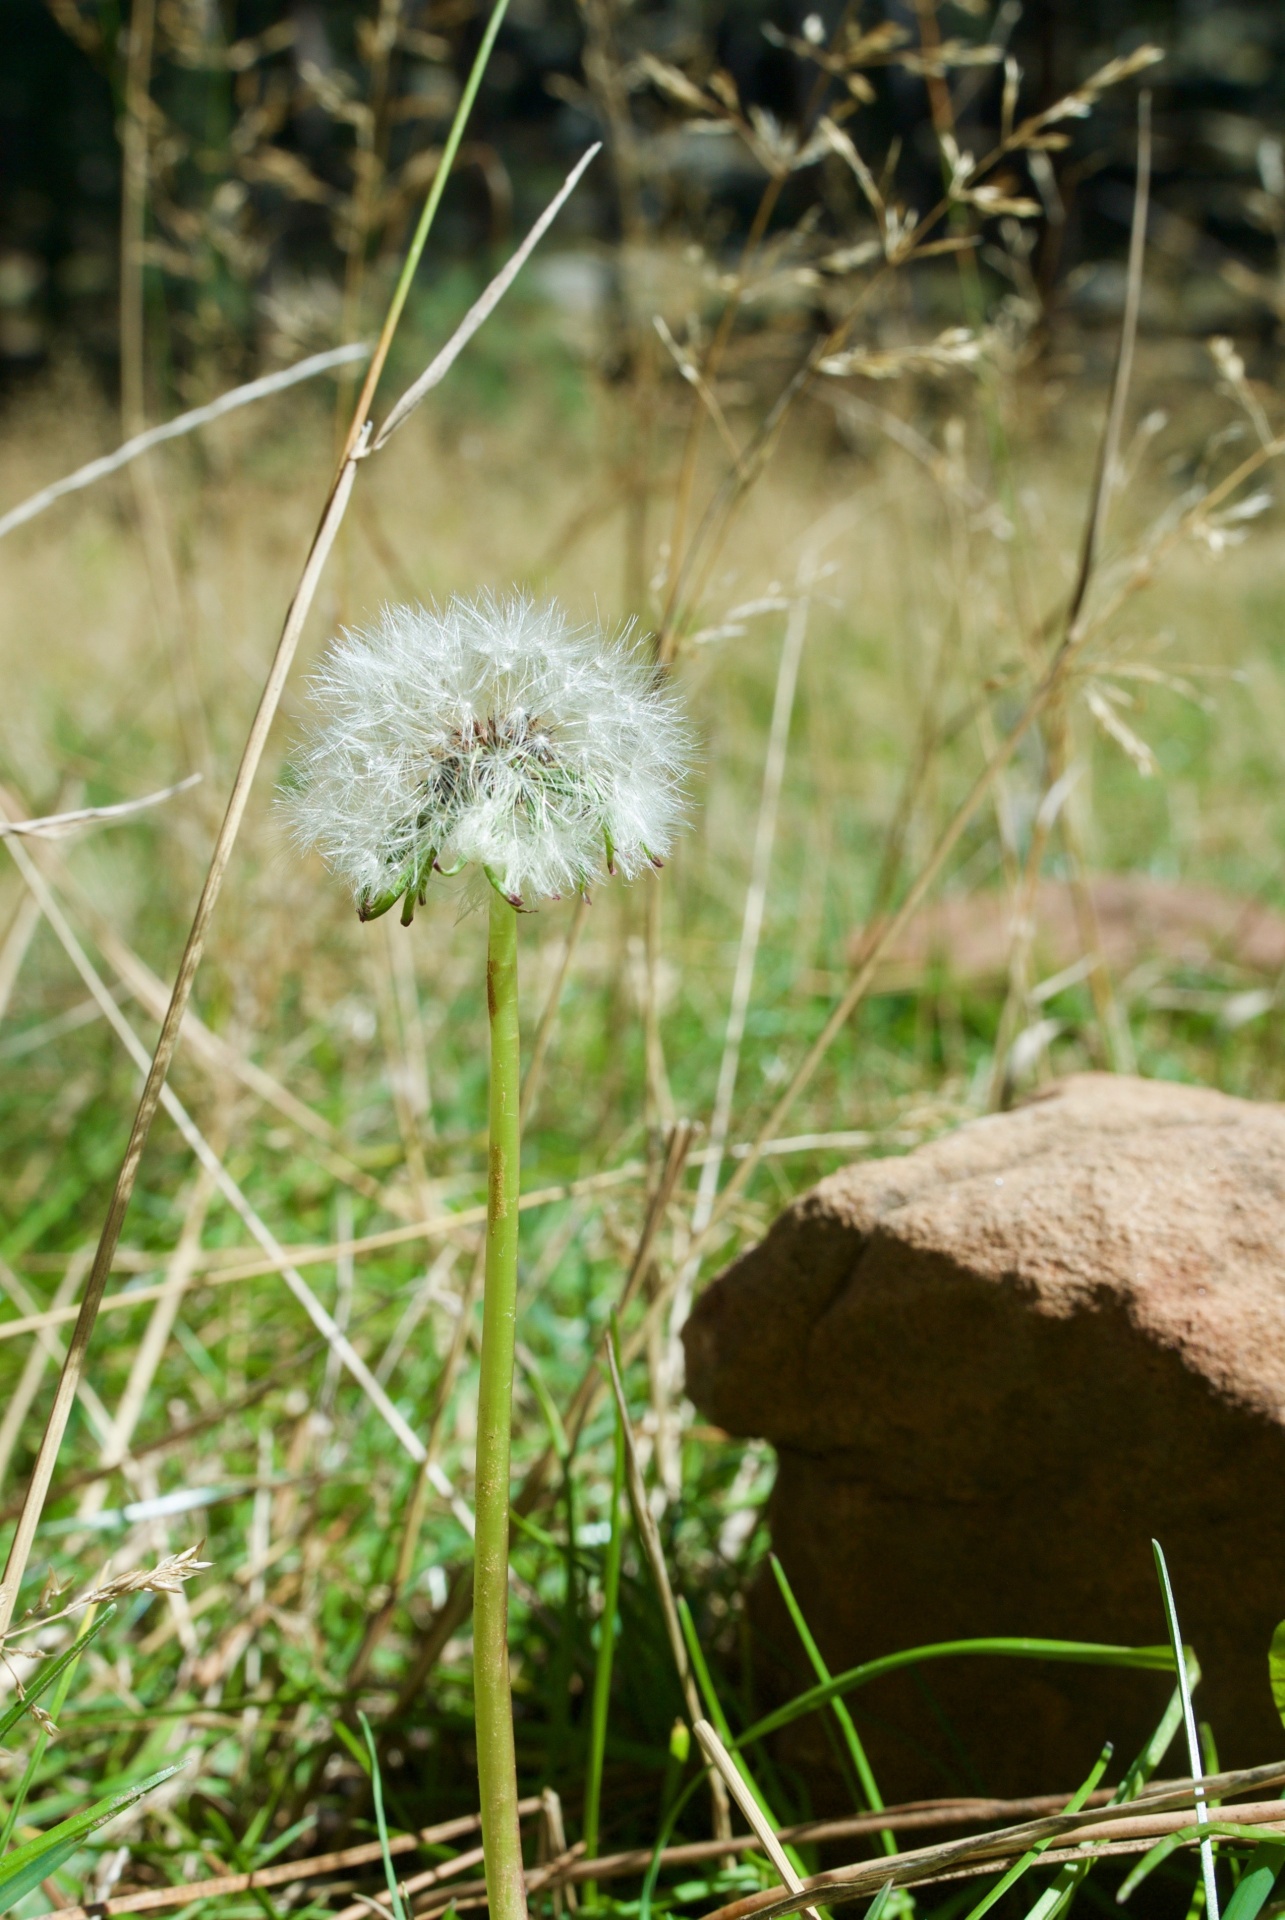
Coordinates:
<point>992,1371</point>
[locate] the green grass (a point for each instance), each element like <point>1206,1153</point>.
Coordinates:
<point>250,1675</point>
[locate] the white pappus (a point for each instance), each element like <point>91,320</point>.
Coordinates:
<point>491,732</point>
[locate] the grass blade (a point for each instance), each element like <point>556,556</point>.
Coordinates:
<point>1008,1647</point>
<point>1029,1858</point>
<point>23,1870</point>
<point>1153,1858</point>
<point>856,1752</point>
<point>723,1733</point>
<point>606,1651</point>
<point>381,1824</point>
<point>1256,1884</point>
<point>65,1675</point>
<point>1276,1669</point>
<point>1193,1738</point>
<point>1055,1900</point>
<point>649,1536</point>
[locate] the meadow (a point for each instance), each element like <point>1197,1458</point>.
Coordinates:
<point>859,648</point>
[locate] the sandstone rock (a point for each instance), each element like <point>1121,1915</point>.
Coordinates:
<point>1139,918</point>
<point>992,1371</point>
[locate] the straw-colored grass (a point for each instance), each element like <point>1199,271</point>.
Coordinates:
<point>298,1485</point>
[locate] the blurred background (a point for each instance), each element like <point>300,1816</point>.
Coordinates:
<point>287,147</point>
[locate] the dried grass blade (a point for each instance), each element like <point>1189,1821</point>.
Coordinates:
<point>1103,1829</point>
<point>228,1187</point>
<point>747,952</point>
<point>53,825</point>
<point>718,1756</point>
<point>285,1873</point>
<point>483,307</point>
<point>1108,459</point>
<point>186,423</point>
<point>649,1536</point>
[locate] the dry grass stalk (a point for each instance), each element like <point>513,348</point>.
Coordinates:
<point>229,1188</point>
<point>54,825</point>
<point>747,951</point>
<point>356,447</point>
<point>1017,1006</point>
<point>182,424</point>
<point>916,1815</point>
<point>719,1758</point>
<point>649,1536</point>
<point>1105,1830</point>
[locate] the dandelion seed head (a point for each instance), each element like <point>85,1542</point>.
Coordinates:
<point>490,733</point>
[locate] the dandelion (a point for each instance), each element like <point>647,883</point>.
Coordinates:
<point>496,735</point>
<point>492,735</point>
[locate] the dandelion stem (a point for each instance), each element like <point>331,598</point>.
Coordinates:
<point>493,1703</point>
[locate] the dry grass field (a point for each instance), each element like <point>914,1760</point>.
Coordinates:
<point>910,547</point>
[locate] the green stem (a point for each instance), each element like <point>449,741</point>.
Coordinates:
<point>602,1673</point>
<point>493,1700</point>
<point>426,218</point>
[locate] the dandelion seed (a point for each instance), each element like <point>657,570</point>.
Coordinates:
<point>492,734</point>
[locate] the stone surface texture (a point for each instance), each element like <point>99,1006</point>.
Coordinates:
<point>1173,923</point>
<point>992,1371</point>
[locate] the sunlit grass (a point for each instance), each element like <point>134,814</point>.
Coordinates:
<point>303,1489</point>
